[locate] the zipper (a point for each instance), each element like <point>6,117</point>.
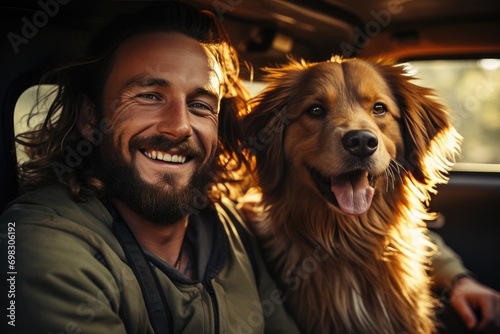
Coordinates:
<point>215,305</point>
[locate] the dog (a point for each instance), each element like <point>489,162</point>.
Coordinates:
<point>347,153</point>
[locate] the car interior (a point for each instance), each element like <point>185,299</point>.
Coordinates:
<point>451,45</point>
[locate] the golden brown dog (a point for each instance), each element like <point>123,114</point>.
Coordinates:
<point>347,154</point>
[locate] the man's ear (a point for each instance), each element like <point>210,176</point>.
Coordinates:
<point>86,118</point>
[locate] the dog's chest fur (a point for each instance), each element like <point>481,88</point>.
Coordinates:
<point>344,274</point>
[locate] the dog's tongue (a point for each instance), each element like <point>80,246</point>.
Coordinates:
<point>353,192</point>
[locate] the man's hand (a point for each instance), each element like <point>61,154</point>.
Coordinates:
<point>468,296</point>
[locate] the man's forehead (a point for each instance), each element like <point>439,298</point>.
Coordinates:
<point>160,54</point>
<point>161,51</point>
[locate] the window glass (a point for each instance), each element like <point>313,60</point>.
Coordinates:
<point>26,103</point>
<point>471,89</point>
<point>255,86</point>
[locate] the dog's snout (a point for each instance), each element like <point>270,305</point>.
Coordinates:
<point>361,143</point>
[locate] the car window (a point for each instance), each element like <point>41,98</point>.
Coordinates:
<point>26,103</point>
<point>470,88</point>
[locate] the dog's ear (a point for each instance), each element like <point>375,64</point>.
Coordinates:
<point>266,124</point>
<point>431,142</point>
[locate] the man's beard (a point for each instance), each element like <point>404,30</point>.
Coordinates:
<point>165,202</point>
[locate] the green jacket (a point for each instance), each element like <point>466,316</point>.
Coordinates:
<point>71,275</point>
<point>446,264</point>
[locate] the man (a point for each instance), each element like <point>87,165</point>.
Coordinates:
<point>130,155</point>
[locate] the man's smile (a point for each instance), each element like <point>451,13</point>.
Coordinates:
<point>164,156</point>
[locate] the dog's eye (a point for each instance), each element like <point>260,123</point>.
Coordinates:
<point>379,108</point>
<point>316,111</point>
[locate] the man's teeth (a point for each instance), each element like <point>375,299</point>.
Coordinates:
<point>156,155</point>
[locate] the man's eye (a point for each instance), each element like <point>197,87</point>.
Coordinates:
<point>148,96</point>
<point>201,106</point>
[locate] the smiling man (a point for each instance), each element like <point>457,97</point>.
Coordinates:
<point>138,237</point>
<point>164,143</point>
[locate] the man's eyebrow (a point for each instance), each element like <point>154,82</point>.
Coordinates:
<point>145,81</point>
<point>148,81</point>
<point>207,92</point>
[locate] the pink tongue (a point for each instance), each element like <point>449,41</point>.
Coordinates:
<point>353,193</point>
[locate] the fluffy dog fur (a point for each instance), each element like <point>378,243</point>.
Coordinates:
<point>347,153</point>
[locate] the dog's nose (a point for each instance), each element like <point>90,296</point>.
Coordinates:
<point>361,143</point>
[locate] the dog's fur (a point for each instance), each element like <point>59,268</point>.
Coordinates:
<point>346,266</point>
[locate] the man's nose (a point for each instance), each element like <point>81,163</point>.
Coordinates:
<point>175,120</point>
